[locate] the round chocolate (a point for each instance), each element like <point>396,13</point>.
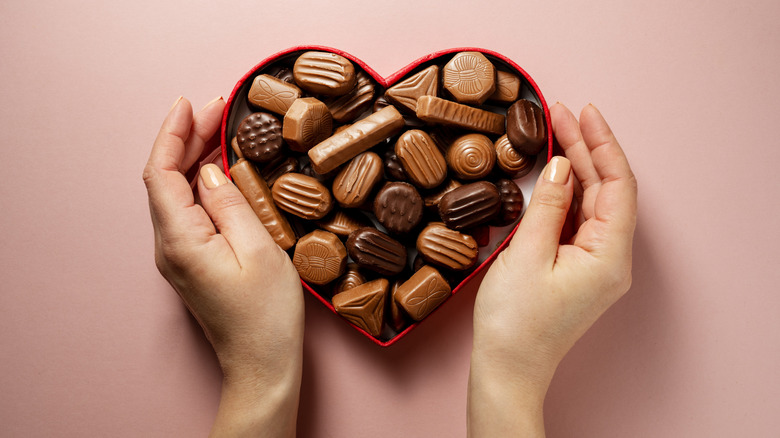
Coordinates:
<point>525,127</point>
<point>471,156</point>
<point>259,137</point>
<point>511,202</point>
<point>399,207</point>
<point>320,257</point>
<point>512,162</point>
<point>376,251</point>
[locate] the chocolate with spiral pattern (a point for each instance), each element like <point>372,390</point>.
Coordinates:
<point>471,156</point>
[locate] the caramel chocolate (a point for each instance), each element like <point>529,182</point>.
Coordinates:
<point>421,159</point>
<point>257,193</point>
<point>324,73</point>
<point>525,127</point>
<point>511,202</point>
<point>404,94</point>
<point>364,305</point>
<point>470,205</point>
<point>342,223</point>
<point>469,77</point>
<point>351,278</point>
<point>358,137</point>
<point>507,87</point>
<point>348,107</point>
<point>272,94</point>
<point>306,123</point>
<point>398,207</point>
<point>273,170</point>
<point>302,196</point>
<point>353,185</point>
<point>422,293</point>
<point>259,136</point>
<point>376,251</point>
<point>437,110</point>
<point>447,248</point>
<point>513,163</point>
<point>471,157</point>
<point>432,200</point>
<point>320,257</point>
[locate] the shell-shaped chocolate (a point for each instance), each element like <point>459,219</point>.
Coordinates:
<point>469,77</point>
<point>423,162</point>
<point>302,196</point>
<point>306,123</point>
<point>348,107</point>
<point>471,157</point>
<point>272,94</point>
<point>513,163</point>
<point>525,127</point>
<point>511,202</point>
<point>398,207</point>
<point>320,257</point>
<point>470,205</point>
<point>376,251</point>
<point>353,185</point>
<point>259,137</point>
<point>447,248</point>
<point>324,73</point>
<point>423,292</point>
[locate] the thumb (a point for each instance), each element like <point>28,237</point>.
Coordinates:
<point>540,230</point>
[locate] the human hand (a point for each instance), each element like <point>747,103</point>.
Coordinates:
<point>541,295</point>
<point>238,284</point>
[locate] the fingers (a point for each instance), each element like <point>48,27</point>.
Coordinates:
<point>567,132</point>
<point>204,125</point>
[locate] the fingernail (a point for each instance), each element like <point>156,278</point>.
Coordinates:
<point>212,101</point>
<point>557,170</point>
<point>212,177</point>
<point>176,103</point>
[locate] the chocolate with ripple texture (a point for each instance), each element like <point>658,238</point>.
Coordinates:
<point>511,202</point>
<point>447,248</point>
<point>511,162</point>
<point>376,251</point>
<point>470,205</point>
<point>421,159</point>
<point>324,73</point>
<point>342,223</point>
<point>423,292</point>
<point>320,257</point>
<point>525,127</point>
<point>471,157</point>
<point>353,185</point>
<point>348,107</point>
<point>302,196</point>
<point>364,305</point>
<point>398,207</point>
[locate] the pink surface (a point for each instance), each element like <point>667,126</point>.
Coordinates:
<point>95,343</point>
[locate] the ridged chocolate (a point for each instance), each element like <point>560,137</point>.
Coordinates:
<point>507,87</point>
<point>324,73</point>
<point>511,202</point>
<point>436,110</point>
<point>512,162</point>
<point>351,278</point>
<point>348,107</point>
<point>394,170</point>
<point>404,94</point>
<point>342,223</point>
<point>525,127</point>
<point>398,207</point>
<point>423,162</point>
<point>469,77</point>
<point>471,157</point>
<point>364,305</point>
<point>302,196</point>
<point>470,205</point>
<point>272,94</point>
<point>447,248</point>
<point>353,185</point>
<point>432,199</point>
<point>320,257</point>
<point>306,123</point>
<point>423,292</point>
<point>273,170</point>
<point>376,251</point>
<point>259,136</point>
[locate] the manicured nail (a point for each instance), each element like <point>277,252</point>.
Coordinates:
<point>211,102</point>
<point>557,170</point>
<point>176,103</point>
<point>212,176</point>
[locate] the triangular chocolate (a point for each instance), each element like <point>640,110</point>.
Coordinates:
<point>405,93</point>
<point>364,305</point>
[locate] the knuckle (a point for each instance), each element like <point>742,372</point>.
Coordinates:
<point>229,199</point>
<point>149,174</point>
<point>552,198</point>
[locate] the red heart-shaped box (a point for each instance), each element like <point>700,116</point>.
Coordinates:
<point>237,108</point>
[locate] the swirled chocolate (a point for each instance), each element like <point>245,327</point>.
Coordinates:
<point>398,207</point>
<point>471,157</point>
<point>513,163</point>
<point>351,278</point>
<point>376,251</point>
<point>470,205</point>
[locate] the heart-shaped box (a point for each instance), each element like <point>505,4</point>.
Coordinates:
<point>237,108</point>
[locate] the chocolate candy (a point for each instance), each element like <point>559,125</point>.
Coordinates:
<point>432,200</point>
<point>422,293</point>
<point>398,207</point>
<point>447,248</point>
<point>257,193</point>
<point>394,314</point>
<point>351,278</point>
<point>469,77</point>
<point>525,127</point>
<point>470,205</point>
<point>471,156</point>
<point>364,305</point>
<point>405,93</point>
<point>348,107</point>
<point>436,110</point>
<point>306,123</point>
<point>376,251</point>
<point>236,149</point>
<point>358,137</point>
<point>324,73</point>
<point>423,162</point>
<point>272,94</point>
<point>320,257</point>
<point>273,170</point>
<point>342,223</point>
<point>507,87</point>
<point>260,137</point>
<point>379,103</point>
<point>308,170</point>
<point>302,196</point>
<point>511,202</point>
<point>394,170</point>
<point>511,162</point>
<point>354,183</point>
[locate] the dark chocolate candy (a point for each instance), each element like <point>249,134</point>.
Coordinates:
<point>278,167</point>
<point>470,205</point>
<point>376,251</point>
<point>525,127</point>
<point>393,168</point>
<point>308,170</point>
<point>399,207</point>
<point>511,202</point>
<point>259,137</point>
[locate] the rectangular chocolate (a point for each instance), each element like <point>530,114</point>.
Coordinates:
<point>437,110</point>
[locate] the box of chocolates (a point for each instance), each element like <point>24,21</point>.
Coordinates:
<point>388,194</point>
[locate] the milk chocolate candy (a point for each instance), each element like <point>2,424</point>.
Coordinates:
<point>272,94</point>
<point>379,104</point>
<point>236,149</point>
<point>471,157</point>
<point>364,305</point>
<point>470,205</point>
<point>376,251</point>
<point>525,127</point>
<point>358,137</point>
<point>394,170</point>
<point>469,77</point>
<point>507,87</point>
<point>513,163</point>
<point>422,293</point>
<point>273,170</point>
<point>348,107</point>
<point>260,137</point>
<point>302,196</point>
<point>320,257</point>
<point>447,248</point>
<point>324,73</point>
<point>432,199</point>
<point>437,110</point>
<point>353,185</point>
<point>404,94</point>
<point>257,193</point>
<point>351,278</point>
<point>394,315</point>
<point>398,207</point>
<point>511,202</point>
<point>423,162</point>
<point>306,123</point>
<point>342,223</point>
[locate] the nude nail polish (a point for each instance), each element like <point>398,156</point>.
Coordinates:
<point>557,170</point>
<point>211,102</point>
<point>212,176</point>
<point>176,103</point>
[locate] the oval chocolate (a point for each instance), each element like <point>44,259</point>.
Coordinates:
<point>354,183</point>
<point>525,127</point>
<point>302,196</point>
<point>470,205</point>
<point>324,73</point>
<point>376,251</point>
<point>423,162</point>
<point>447,248</point>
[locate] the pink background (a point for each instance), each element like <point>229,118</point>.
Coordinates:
<point>95,343</point>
